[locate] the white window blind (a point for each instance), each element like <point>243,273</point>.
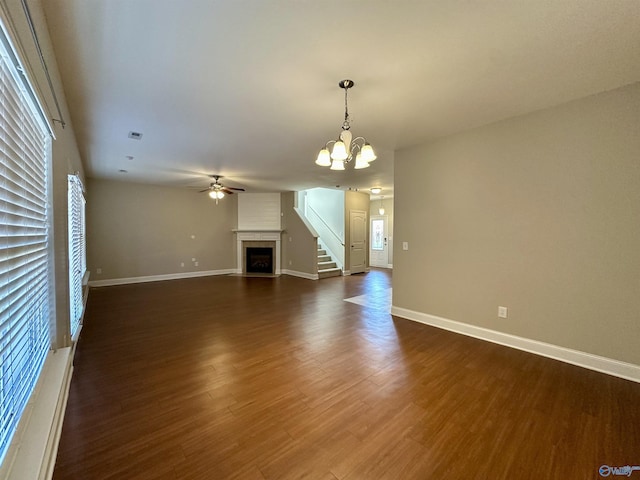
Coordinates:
<point>77,256</point>
<point>24,256</point>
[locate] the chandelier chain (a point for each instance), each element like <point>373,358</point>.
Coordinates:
<point>345,125</point>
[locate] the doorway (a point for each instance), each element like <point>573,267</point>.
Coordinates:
<point>379,253</point>
<point>358,241</point>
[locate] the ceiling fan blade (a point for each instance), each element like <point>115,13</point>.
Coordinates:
<point>226,190</point>
<point>205,190</point>
<point>238,189</point>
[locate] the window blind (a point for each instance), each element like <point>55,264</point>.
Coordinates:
<point>77,255</point>
<point>24,256</point>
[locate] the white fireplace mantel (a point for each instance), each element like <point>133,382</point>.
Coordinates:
<point>244,235</point>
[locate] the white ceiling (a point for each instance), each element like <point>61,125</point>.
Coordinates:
<point>249,88</point>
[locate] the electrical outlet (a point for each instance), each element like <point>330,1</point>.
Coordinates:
<point>405,245</point>
<point>98,271</point>
<point>502,312</point>
<point>182,264</point>
<point>195,264</point>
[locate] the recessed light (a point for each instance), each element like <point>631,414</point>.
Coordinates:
<point>135,135</point>
<point>375,190</point>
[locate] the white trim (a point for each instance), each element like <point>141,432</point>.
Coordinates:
<point>295,273</point>
<point>387,247</point>
<point>34,448</point>
<point>346,273</point>
<point>259,236</point>
<point>306,222</point>
<point>254,230</point>
<point>336,258</point>
<point>606,365</point>
<point>159,278</point>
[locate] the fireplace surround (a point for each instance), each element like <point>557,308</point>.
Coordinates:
<point>259,240</point>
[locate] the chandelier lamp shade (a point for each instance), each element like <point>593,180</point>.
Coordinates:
<point>346,148</point>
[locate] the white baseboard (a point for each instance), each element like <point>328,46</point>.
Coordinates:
<point>606,365</point>
<point>294,273</point>
<point>387,265</point>
<point>159,278</point>
<point>33,450</point>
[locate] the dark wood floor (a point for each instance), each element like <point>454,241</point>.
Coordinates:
<point>255,378</point>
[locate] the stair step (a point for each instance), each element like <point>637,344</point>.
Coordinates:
<point>326,265</point>
<point>322,251</point>
<point>324,258</point>
<point>329,272</point>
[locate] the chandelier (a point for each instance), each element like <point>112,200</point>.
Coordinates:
<point>344,147</point>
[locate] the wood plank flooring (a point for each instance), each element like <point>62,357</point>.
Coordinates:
<point>279,378</point>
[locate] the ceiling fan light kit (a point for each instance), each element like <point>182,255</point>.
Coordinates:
<point>217,191</point>
<point>345,145</point>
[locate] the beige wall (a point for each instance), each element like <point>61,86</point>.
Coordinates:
<point>299,246</point>
<point>539,213</point>
<point>138,230</point>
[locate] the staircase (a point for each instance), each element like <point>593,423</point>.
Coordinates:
<point>326,266</point>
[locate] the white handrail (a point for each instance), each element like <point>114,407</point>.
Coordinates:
<point>309,207</point>
<point>331,242</point>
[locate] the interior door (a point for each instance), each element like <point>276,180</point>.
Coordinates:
<point>358,241</point>
<point>379,251</point>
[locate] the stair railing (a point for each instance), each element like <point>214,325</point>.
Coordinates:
<point>331,241</point>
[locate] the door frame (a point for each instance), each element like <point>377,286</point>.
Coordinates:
<point>365,249</point>
<point>385,219</point>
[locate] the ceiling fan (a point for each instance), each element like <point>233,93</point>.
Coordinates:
<point>217,190</point>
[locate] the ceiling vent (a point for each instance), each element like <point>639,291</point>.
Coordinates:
<point>135,135</point>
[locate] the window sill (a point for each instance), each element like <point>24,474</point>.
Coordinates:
<point>33,451</point>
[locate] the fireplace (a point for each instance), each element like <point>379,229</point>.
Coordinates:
<point>259,260</point>
<point>258,240</point>
<point>259,253</point>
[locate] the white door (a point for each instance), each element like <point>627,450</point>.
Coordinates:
<point>379,253</point>
<point>358,241</point>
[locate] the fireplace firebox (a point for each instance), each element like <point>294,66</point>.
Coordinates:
<point>259,260</point>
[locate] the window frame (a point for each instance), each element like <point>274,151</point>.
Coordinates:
<point>27,317</point>
<point>77,251</point>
